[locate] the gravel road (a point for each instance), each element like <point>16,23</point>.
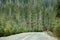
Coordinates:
<point>29,36</point>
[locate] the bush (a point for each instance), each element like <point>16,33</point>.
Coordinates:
<point>56,31</point>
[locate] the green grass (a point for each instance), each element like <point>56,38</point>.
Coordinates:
<point>58,38</point>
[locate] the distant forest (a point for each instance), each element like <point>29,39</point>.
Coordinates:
<point>18,16</point>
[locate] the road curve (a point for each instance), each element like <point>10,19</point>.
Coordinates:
<point>29,36</point>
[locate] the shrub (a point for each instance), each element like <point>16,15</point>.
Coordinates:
<point>56,31</point>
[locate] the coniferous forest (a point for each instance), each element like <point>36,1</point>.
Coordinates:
<point>17,16</point>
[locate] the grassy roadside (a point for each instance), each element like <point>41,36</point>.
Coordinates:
<point>58,38</point>
<point>51,34</point>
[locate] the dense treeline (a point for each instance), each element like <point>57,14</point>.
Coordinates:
<point>58,7</point>
<point>26,15</point>
<point>56,29</point>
